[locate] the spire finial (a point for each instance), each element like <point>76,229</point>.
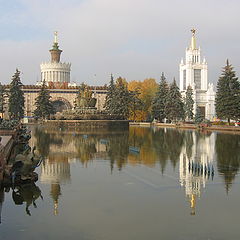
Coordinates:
<point>55,37</point>
<point>193,31</point>
<point>193,40</point>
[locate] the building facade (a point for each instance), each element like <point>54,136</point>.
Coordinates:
<point>194,73</point>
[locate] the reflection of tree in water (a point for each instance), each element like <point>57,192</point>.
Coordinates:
<point>173,143</point>
<point>42,141</point>
<point>117,149</point>
<point>228,157</point>
<point>142,139</point>
<point>86,147</point>
<point>159,145</point>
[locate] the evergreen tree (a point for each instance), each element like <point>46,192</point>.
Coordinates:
<point>110,103</point>
<point>137,104</point>
<point>159,101</point>
<point>188,105</point>
<point>228,95</point>
<point>174,105</point>
<point>198,116</point>
<point>122,99</point>
<point>16,97</point>
<point>44,107</point>
<point>2,98</point>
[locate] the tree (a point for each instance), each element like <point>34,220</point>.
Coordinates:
<point>44,107</point>
<point>198,116</point>
<point>2,98</point>
<point>174,105</point>
<point>122,99</point>
<point>16,97</point>
<point>136,105</point>
<point>188,105</point>
<point>159,101</point>
<point>110,103</point>
<point>147,90</point>
<point>228,95</point>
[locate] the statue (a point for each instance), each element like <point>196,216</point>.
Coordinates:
<point>84,99</point>
<point>55,37</point>
<point>25,164</point>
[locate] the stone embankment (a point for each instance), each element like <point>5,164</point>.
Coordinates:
<point>5,149</point>
<point>207,127</point>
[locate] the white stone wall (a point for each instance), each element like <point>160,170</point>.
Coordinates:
<point>67,95</point>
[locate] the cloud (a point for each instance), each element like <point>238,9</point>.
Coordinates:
<point>135,39</point>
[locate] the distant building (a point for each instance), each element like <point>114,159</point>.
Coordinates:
<point>57,77</point>
<point>194,73</point>
<point>55,71</point>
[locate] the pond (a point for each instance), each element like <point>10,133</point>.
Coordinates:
<point>145,183</point>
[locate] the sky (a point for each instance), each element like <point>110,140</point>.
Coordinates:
<point>134,39</point>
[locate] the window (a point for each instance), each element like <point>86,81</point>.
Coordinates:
<point>197,78</point>
<point>184,79</point>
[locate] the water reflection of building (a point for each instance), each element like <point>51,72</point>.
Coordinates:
<point>196,165</point>
<point>64,148</point>
<point>56,171</point>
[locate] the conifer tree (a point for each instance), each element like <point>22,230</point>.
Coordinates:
<point>174,105</point>
<point>110,103</point>
<point>2,98</point>
<point>228,95</point>
<point>198,116</point>
<point>136,104</point>
<point>159,101</point>
<point>16,97</point>
<point>122,99</point>
<point>188,104</point>
<point>44,107</point>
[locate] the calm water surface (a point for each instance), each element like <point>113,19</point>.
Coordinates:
<point>147,183</point>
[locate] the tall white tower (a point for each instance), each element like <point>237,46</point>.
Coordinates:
<point>55,71</point>
<point>194,73</point>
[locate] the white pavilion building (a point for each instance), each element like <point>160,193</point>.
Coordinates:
<point>194,73</point>
<point>55,71</point>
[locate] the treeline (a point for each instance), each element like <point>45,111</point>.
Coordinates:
<point>147,100</point>
<point>12,100</point>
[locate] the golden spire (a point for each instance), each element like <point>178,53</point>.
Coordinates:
<point>193,204</point>
<point>55,207</point>
<point>193,40</point>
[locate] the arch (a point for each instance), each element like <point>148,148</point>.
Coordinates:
<point>61,104</point>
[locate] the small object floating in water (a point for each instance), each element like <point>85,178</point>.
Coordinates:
<point>134,149</point>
